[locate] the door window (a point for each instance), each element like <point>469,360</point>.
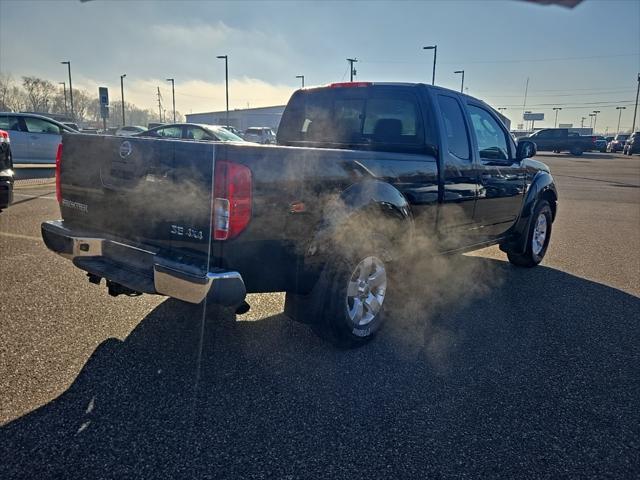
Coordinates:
<point>454,127</point>
<point>197,133</point>
<point>39,125</point>
<point>9,122</point>
<point>170,132</point>
<point>492,141</point>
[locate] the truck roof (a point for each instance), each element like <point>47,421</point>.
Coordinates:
<point>396,84</point>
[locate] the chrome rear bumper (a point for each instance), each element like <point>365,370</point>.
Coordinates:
<point>141,269</point>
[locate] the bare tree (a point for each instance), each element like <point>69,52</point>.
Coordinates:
<point>81,103</point>
<point>39,93</point>
<point>12,98</point>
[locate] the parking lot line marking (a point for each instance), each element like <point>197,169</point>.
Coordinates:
<point>24,195</point>
<point>20,236</point>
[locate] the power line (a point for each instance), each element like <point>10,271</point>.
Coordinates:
<point>604,92</point>
<point>518,60</point>
<point>575,107</point>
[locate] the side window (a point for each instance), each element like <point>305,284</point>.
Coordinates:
<point>195,133</point>
<point>38,125</point>
<point>170,132</point>
<point>454,126</point>
<point>392,120</point>
<point>492,142</point>
<point>9,122</point>
<point>543,134</point>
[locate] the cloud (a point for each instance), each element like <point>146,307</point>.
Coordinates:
<point>195,95</point>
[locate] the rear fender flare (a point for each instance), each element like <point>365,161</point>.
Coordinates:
<point>378,203</point>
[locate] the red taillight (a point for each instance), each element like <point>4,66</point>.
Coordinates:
<point>232,200</point>
<point>4,137</point>
<point>349,84</point>
<point>58,166</point>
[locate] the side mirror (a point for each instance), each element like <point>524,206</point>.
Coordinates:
<point>525,149</point>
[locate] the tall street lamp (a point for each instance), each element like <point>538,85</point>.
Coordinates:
<point>435,54</point>
<point>557,109</point>
<point>635,109</point>
<point>226,81</point>
<point>122,94</point>
<point>462,85</point>
<point>64,89</point>
<point>68,64</point>
<point>595,119</point>
<point>352,71</point>
<point>173,95</point>
<point>591,115</point>
<point>619,115</point>
<point>301,77</point>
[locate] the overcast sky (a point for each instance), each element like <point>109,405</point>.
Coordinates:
<point>580,59</point>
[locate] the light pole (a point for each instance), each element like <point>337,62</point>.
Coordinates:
<point>591,115</point>
<point>226,81</point>
<point>582,119</point>
<point>173,97</point>
<point>555,125</point>
<point>595,119</point>
<point>68,64</point>
<point>462,85</point>
<point>301,77</point>
<point>635,110</point>
<point>122,94</point>
<point>435,54</point>
<point>64,89</point>
<point>619,115</point>
<point>352,70</point>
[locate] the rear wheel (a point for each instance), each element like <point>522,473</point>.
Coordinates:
<point>346,307</point>
<point>538,237</point>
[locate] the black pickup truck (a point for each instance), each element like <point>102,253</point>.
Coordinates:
<point>362,174</point>
<point>562,140</point>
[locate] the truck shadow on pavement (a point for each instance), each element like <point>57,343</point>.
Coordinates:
<point>536,376</point>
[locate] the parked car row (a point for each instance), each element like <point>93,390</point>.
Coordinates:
<point>35,138</point>
<point>626,143</point>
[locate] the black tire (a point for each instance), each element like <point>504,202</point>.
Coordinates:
<point>577,151</point>
<point>327,309</point>
<point>533,255</point>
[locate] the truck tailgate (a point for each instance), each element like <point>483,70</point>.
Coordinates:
<point>152,193</point>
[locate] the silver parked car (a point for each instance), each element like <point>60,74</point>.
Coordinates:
<point>262,135</point>
<point>192,131</point>
<point>34,138</point>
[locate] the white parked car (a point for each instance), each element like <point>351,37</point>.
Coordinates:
<point>262,135</point>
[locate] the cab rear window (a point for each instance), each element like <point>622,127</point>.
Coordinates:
<point>353,118</point>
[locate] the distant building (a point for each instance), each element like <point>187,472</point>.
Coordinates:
<point>241,118</point>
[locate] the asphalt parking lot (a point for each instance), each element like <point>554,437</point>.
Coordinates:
<point>535,376</point>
